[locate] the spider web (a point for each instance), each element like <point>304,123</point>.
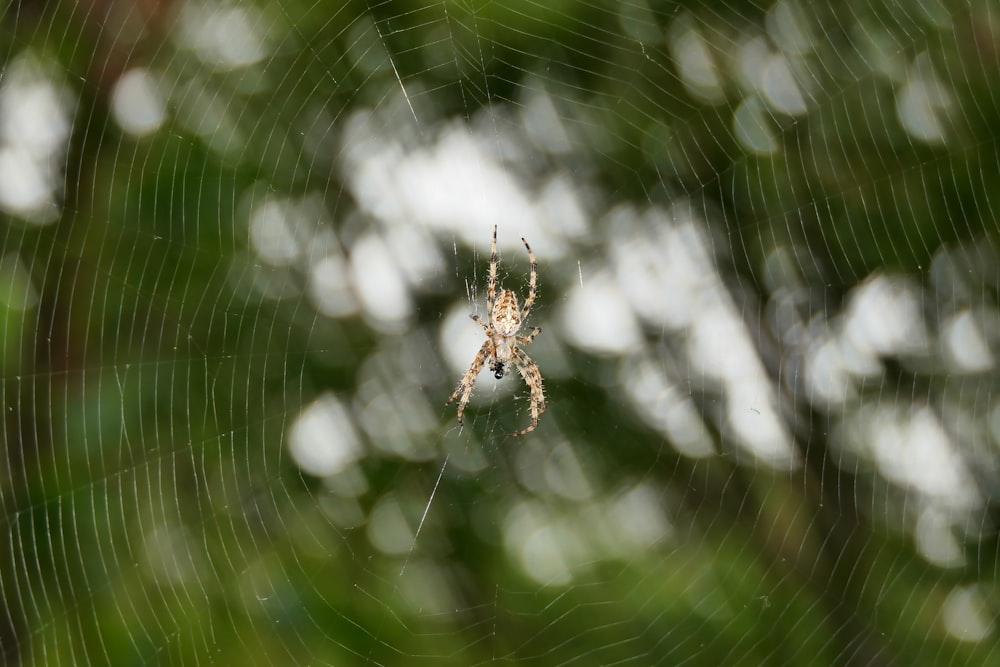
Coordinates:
<point>242,241</point>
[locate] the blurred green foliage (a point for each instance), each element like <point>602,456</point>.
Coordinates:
<point>152,510</point>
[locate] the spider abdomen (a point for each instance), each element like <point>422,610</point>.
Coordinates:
<point>506,316</point>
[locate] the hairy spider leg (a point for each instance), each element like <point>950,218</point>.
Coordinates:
<point>491,285</point>
<point>532,281</point>
<point>524,340</point>
<point>469,379</point>
<point>533,378</point>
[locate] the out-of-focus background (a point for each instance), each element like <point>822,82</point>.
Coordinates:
<point>241,241</point>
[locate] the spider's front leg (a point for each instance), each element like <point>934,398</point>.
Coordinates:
<point>469,379</point>
<point>533,378</point>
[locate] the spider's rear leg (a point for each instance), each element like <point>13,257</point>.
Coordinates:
<point>478,320</point>
<point>491,284</point>
<point>532,282</point>
<point>524,340</point>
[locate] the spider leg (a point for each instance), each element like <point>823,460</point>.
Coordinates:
<point>480,323</point>
<point>491,285</point>
<point>469,379</point>
<point>533,378</point>
<point>524,340</point>
<point>532,281</point>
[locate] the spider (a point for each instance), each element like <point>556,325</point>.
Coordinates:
<point>502,342</point>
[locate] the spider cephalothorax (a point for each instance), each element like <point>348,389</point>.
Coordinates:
<point>502,342</point>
